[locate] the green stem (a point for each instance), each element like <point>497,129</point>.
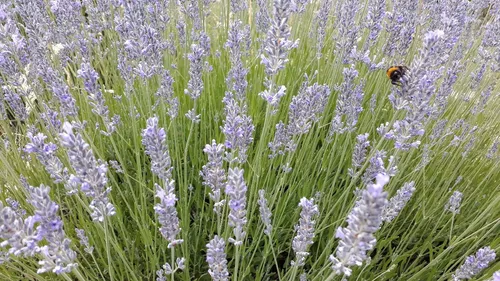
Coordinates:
<point>236,263</point>
<point>108,250</point>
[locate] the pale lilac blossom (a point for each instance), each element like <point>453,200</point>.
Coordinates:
<point>154,140</point>
<point>305,231</point>
<point>454,203</point>
<point>265,213</point>
<point>216,259</point>
<point>214,174</point>
<point>398,201</point>
<point>474,264</point>
<point>364,220</point>
<point>90,173</point>
<point>236,190</point>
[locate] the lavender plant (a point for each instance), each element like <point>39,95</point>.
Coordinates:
<point>90,98</point>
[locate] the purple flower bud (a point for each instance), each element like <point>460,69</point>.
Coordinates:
<point>236,80</point>
<point>265,213</point>
<point>57,254</point>
<point>282,141</point>
<point>90,173</point>
<point>216,259</point>
<point>398,201</point>
<point>321,21</point>
<point>213,173</point>
<point>364,220</point>
<point>45,153</point>
<point>359,153</point>
<point>84,240</point>
<point>305,231</point>
<point>348,105</point>
<point>167,213</point>
<point>263,19</point>
<point>154,140</point>
<point>238,127</point>
<point>347,29</point>
<point>277,44</point>
<point>454,203</point>
<point>306,108</point>
<point>474,264</point>
<point>195,83</point>
<point>236,190</point>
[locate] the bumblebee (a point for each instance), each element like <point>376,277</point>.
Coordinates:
<point>395,73</point>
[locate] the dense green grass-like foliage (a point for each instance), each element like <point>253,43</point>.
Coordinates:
<point>423,242</point>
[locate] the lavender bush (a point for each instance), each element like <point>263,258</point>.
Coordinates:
<point>249,140</point>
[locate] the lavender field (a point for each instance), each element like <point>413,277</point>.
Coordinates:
<point>249,140</point>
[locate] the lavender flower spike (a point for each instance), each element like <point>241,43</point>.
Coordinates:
<point>398,202</point>
<point>364,220</point>
<point>216,258</point>
<point>359,153</point>
<point>474,264</point>
<point>58,256</point>
<point>167,213</point>
<point>265,213</point>
<point>454,202</point>
<point>213,173</point>
<point>45,153</point>
<point>84,240</point>
<point>305,231</point>
<point>90,173</point>
<point>154,139</point>
<point>236,190</point>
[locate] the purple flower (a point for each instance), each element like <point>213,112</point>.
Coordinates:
<point>84,240</point>
<point>376,14</point>
<point>238,5</point>
<point>306,108</point>
<point>236,190</point>
<point>19,234</point>
<point>305,231</point>
<point>321,21</point>
<point>67,102</point>
<point>265,213</point>
<point>154,140</point>
<point>493,150</point>
<point>216,259</point>
<point>238,127</point>
<point>90,173</point>
<point>46,154</point>
<point>116,166</point>
<point>454,203</point>
<point>485,96</point>
<point>359,153</point>
<point>496,276</point>
<point>282,141</point>
<point>58,257</point>
<point>17,106</point>
<point>347,29</point>
<point>364,220</point>
<point>474,264</point>
<point>401,26</point>
<point>195,83</point>
<point>348,105</point>
<point>418,88</point>
<point>236,80</point>
<point>263,19</point>
<point>167,213</point>
<point>377,166</point>
<point>398,201</point>
<point>277,44</point>
<point>165,94</point>
<point>213,173</point>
